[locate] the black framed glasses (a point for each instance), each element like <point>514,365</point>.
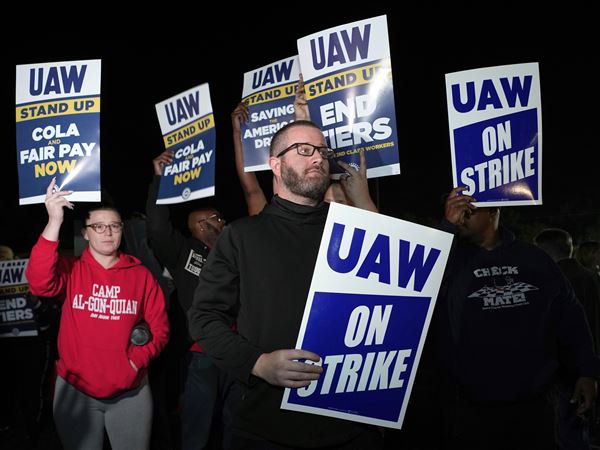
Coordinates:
<point>115,227</point>
<point>306,149</point>
<point>215,216</point>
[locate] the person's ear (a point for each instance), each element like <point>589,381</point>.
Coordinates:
<point>275,164</point>
<point>84,232</point>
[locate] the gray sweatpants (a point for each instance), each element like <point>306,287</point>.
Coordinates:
<point>80,419</point>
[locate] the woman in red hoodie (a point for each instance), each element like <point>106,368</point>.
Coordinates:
<point>102,380</point>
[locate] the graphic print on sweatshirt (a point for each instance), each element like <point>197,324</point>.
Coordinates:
<point>195,263</point>
<point>105,304</point>
<point>507,293</point>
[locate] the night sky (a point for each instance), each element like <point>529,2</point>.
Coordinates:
<point>137,73</point>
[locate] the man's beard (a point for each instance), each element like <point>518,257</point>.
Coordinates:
<point>312,188</point>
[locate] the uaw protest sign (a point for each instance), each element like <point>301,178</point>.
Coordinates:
<point>349,88</point>
<point>58,129</point>
<point>495,120</point>
<point>188,127</point>
<point>269,93</point>
<point>17,317</point>
<point>370,303</point>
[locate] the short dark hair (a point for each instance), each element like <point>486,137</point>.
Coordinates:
<point>556,242</point>
<point>100,208</point>
<point>278,142</point>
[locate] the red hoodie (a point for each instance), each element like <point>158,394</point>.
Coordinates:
<point>101,307</point>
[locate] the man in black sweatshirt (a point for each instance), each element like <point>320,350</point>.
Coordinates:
<point>573,430</point>
<point>258,275</point>
<point>507,319</point>
<point>558,244</point>
<point>185,257</point>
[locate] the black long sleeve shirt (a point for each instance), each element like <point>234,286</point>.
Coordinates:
<point>259,275</point>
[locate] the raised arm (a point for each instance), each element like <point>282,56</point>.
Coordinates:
<point>355,185</point>
<point>55,202</point>
<point>301,111</point>
<point>253,193</point>
<point>45,271</point>
<point>165,240</point>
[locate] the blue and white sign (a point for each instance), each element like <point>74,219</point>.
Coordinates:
<point>348,79</point>
<point>370,303</point>
<point>269,93</point>
<point>58,129</point>
<point>188,127</point>
<point>495,120</point>
<point>17,318</point>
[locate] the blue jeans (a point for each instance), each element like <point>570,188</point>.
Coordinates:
<point>200,398</point>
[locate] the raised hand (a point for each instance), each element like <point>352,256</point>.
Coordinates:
<point>55,202</point>
<point>253,193</point>
<point>239,116</point>
<point>161,160</point>
<point>458,206</point>
<point>355,184</point>
<point>300,103</point>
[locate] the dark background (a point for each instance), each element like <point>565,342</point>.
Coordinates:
<point>138,72</point>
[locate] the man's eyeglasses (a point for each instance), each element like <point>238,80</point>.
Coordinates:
<point>306,149</point>
<point>100,228</point>
<point>215,216</point>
